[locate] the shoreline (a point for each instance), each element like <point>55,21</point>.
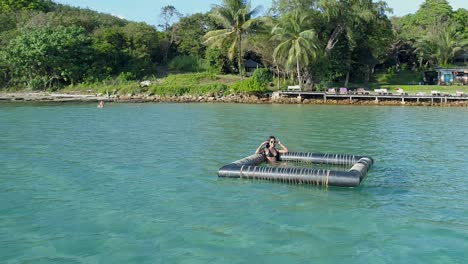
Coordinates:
<point>42,97</point>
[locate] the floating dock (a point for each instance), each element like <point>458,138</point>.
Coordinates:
<point>248,168</point>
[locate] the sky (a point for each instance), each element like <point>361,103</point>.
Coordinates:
<point>149,10</point>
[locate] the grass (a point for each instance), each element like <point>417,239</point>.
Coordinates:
<point>120,87</point>
<point>412,89</point>
<point>408,81</point>
<point>208,83</point>
<point>399,78</point>
<point>189,84</point>
<point>173,84</point>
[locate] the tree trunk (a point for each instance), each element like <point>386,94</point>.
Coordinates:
<point>299,77</point>
<point>166,46</point>
<point>369,72</point>
<point>397,62</point>
<point>333,39</point>
<point>239,57</point>
<point>277,67</point>
<point>372,71</point>
<point>347,79</point>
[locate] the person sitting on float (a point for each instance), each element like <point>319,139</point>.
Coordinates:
<point>268,149</point>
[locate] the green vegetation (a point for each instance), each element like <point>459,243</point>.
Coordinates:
<point>427,89</point>
<point>15,5</point>
<point>188,64</point>
<point>236,18</point>
<point>255,85</point>
<point>172,85</point>
<point>189,84</point>
<point>297,42</point>
<point>40,56</point>
<point>402,77</point>
<point>316,43</point>
<point>45,45</point>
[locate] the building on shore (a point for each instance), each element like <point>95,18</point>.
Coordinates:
<point>452,76</point>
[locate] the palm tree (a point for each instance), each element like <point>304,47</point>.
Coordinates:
<point>425,50</point>
<point>237,18</point>
<point>449,43</point>
<point>297,42</point>
<point>440,45</point>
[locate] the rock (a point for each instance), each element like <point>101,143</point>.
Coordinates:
<point>145,83</point>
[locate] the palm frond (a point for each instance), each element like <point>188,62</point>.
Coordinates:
<point>279,54</point>
<point>291,56</point>
<point>308,34</point>
<point>217,37</point>
<point>232,50</point>
<point>255,11</point>
<point>224,16</point>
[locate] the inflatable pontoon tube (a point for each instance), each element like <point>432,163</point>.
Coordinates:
<point>248,168</point>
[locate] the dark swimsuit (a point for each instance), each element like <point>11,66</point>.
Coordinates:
<point>270,155</point>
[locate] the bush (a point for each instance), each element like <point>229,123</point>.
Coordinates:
<point>187,64</point>
<point>217,61</point>
<point>255,84</point>
<point>404,66</point>
<point>323,85</point>
<point>262,76</point>
<point>189,84</point>
<point>249,86</point>
<point>126,76</point>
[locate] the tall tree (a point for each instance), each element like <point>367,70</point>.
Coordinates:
<point>298,42</point>
<point>432,12</point>
<point>238,19</point>
<point>449,43</point>
<point>189,32</point>
<point>168,15</point>
<point>460,18</point>
<point>345,17</point>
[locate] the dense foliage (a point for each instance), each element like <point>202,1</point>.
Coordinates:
<point>431,37</point>
<point>46,45</point>
<point>257,84</point>
<point>40,56</point>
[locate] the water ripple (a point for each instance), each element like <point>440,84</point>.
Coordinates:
<point>136,183</point>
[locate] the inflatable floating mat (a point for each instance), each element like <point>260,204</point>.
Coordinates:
<point>353,169</point>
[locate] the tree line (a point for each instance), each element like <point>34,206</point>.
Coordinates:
<point>315,42</point>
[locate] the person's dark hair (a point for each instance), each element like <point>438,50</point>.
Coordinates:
<point>267,145</point>
<point>271,137</point>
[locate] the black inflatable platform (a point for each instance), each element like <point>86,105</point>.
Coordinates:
<point>248,168</point>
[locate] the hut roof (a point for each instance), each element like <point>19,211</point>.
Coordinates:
<point>252,64</point>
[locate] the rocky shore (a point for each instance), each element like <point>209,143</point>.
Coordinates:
<point>246,99</point>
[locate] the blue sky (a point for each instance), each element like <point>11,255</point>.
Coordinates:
<point>148,10</point>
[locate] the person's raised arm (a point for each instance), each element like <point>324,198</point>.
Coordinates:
<point>284,150</point>
<point>260,148</point>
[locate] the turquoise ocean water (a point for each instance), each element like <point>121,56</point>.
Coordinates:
<point>137,183</point>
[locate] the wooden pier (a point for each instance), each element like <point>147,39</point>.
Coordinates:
<point>440,99</point>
